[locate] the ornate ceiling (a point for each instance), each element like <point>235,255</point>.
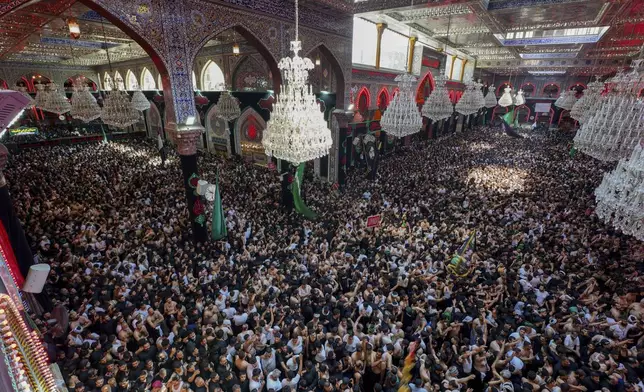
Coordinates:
<point>517,36</point>
<point>39,33</point>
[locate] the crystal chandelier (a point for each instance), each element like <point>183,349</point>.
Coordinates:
<point>438,105</point>
<point>583,108</point>
<point>520,98</point>
<point>84,106</point>
<point>617,124</point>
<point>490,97</point>
<point>227,107</point>
<point>620,196</point>
<point>568,100</point>
<point>506,99</point>
<point>57,101</point>
<point>469,102</point>
<point>139,101</point>
<point>559,100</point>
<point>118,110</point>
<point>479,95</point>
<point>402,117</point>
<point>296,131</point>
<point>23,91</point>
<point>42,97</point>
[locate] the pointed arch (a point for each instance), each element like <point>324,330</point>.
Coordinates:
<point>363,100</point>
<point>147,80</point>
<point>337,70</point>
<point>395,91</point>
<point>249,128</point>
<point>257,44</point>
<point>212,77</point>
<point>119,82</point>
<point>521,110</point>
<point>498,110</point>
<point>426,83</point>
<point>130,81</point>
<point>383,98</point>
<point>108,82</point>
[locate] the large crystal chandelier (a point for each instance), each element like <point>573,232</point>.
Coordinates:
<point>402,117</point>
<point>490,97</point>
<point>118,110</point>
<point>506,99</point>
<point>139,101</point>
<point>438,106</point>
<point>227,107</point>
<point>583,108</point>
<point>617,125</point>
<point>469,102</point>
<point>296,131</point>
<point>620,196</point>
<point>57,101</point>
<point>84,106</point>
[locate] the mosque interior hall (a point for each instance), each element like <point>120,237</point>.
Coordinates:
<point>321,195</point>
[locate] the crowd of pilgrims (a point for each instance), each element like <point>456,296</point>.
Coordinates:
<point>552,300</point>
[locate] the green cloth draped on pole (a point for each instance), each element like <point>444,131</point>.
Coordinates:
<point>219,230</point>
<point>510,118</point>
<point>300,207</point>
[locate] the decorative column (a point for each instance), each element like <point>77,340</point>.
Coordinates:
<point>410,57</point>
<point>380,27</point>
<point>186,138</point>
<point>342,117</point>
<point>451,68</point>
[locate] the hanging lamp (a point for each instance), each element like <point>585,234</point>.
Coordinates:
<point>297,131</point>
<point>490,97</point>
<point>438,106</point>
<point>402,117</point>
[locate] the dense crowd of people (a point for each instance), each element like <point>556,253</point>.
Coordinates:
<point>47,132</point>
<point>551,299</point>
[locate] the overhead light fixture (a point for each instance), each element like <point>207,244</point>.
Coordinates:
<point>317,60</point>
<point>548,55</point>
<point>297,131</point>
<point>235,49</point>
<point>74,28</point>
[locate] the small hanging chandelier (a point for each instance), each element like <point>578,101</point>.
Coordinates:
<point>23,91</point>
<point>84,106</point>
<point>57,102</point>
<point>235,49</point>
<point>118,110</point>
<point>583,108</point>
<point>490,97</point>
<point>227,107</point>
<point>506,99</point>
<point>620,196</point>
<point>438,106</point>
<point>42,97</point>
<point>402,117</point>
<point>139,101</point>
<point>296,131</point>
<point>471,101</point>
<point>520,98</point>
<point>567,101</point>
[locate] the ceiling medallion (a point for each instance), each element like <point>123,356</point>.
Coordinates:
<point>296,131</point>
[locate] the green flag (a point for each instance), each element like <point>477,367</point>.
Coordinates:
<point>573,152</point>
<point>219,230</point>
<point>509,117</point>
<point>300,207</point>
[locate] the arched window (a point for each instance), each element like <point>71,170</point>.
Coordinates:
<point>160,82</point>
<point>118,81</point>
<point>213,78</point>
<point>147,80</point>
<point>194,81</point>
<point>132,83</point>
<point>108,84</point>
